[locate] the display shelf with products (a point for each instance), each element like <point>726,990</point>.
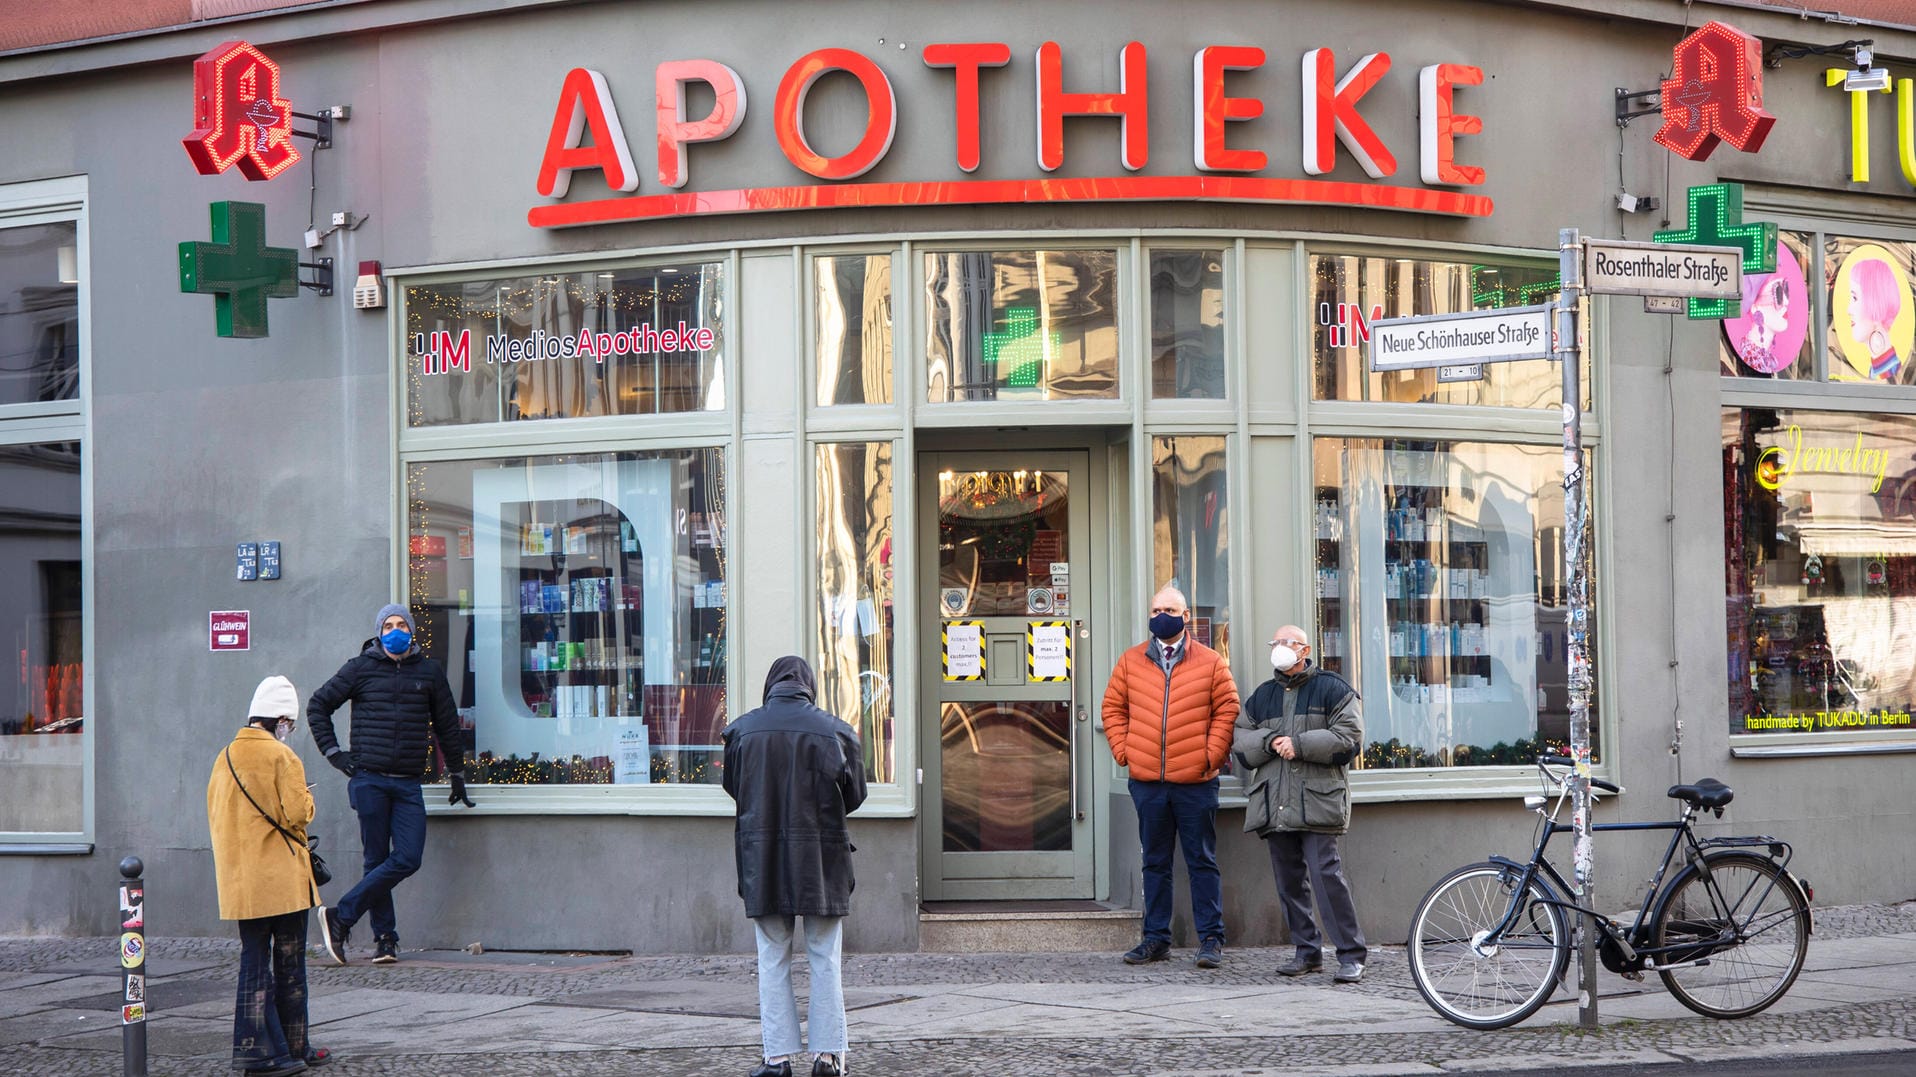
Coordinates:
<point>581,615</point>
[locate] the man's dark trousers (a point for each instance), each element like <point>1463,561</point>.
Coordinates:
<point>1171,812</point>
<point>1304,862</point>
<point>392,831</point>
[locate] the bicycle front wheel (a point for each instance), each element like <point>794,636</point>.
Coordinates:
<point>1739,932</point>
<point>1472,978</point>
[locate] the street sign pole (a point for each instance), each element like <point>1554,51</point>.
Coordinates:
<point>1576,601</point>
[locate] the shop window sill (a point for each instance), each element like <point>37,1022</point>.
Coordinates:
<point>46,848</point>
<point>883,801</point>
<point>1769,748</point>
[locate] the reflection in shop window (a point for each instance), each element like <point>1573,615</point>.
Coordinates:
<point>629,341</point>
<point>39,313</point>
<point>1350,291</point>
<point>1820,547</point>
<point>1187,324</point>
<point>1021,325</point>
<point>1770,336</point>
<point>855,610</point>
<point>1440,597</point>
<point>42,717</point>
<point>1190,532</point>
<point>578,603</point>
<point>854,328</point>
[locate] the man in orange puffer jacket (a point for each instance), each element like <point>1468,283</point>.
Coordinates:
<point>1168,712</point>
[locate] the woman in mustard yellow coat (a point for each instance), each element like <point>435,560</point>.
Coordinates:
<point>258,805</point>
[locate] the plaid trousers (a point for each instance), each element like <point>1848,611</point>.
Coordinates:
<point>269,1016</point>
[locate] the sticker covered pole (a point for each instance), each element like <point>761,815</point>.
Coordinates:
<point>132,968</point>
<point>1576,608</point>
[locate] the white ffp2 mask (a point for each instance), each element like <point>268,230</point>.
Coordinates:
<point>1282,657</point>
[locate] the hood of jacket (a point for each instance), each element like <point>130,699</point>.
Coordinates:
<point>790,676</point>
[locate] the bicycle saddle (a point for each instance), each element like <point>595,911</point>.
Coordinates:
<point>1706,793</point>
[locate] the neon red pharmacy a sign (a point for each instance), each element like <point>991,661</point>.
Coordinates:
<point>238,116</point>
<point>586,134</point>
<point>1715,94</point>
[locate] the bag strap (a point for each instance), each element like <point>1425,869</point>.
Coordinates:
<point>283,832</point>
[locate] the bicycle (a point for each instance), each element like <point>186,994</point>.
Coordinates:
<point>1727,934</point>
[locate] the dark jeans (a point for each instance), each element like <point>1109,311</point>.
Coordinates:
<point>392,831</point>
<point>269,1017</point>
<point>1302,862</point>
<point>1170,812</point>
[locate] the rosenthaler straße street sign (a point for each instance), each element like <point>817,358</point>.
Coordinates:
<point>1625,267</point>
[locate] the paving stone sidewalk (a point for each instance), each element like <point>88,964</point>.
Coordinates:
<point>456,1014</point>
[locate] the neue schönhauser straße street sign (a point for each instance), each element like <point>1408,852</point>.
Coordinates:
<point>1478,336</point>
<point>1624,267</point>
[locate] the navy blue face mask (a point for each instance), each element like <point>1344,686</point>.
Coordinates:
<point>396,641</point>
<point>1166,626</point>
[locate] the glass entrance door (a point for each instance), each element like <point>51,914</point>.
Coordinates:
<point>1008,753</point>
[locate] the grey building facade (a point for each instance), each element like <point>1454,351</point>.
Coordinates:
<point>709,335</point>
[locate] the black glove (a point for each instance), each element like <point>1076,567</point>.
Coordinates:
<point>458,796</point>
<point>342,761</point>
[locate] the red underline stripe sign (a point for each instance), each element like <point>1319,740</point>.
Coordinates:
<point>980,192</point>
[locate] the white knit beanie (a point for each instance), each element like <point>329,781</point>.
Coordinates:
<point>274,698</point>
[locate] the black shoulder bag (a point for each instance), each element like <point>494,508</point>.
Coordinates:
<point>321,874</point>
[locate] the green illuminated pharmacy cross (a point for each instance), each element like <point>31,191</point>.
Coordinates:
<point>1022,345</point>
<point>1716,220</point>
<point>239,269</point>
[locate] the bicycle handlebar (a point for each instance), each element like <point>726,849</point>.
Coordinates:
<point>1545,762</point>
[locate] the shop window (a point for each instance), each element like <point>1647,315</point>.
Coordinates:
<point>1350,291</point>
<point>578,603</point>
<point>1440,597</point>
<point>629,341</point>
<point>1187,324</point>
<point>1770,337</point>
<point>1021,325</point>
<point>39,313</point>
<point>854,341</point>
<point>1872,314</point>
<point>855,611</point>
<point>1820,549</point>
<point>1190,532</point>
<point>43,714</point>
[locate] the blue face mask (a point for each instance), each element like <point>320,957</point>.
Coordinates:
<point>396,641</point>
<point>1166,626</point>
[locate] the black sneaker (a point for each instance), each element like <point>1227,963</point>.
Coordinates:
<point>385,950</point>
<point>828,1065</point>
<point>1148,951</point>
<point>1211,954</point>
<point>333,935</point>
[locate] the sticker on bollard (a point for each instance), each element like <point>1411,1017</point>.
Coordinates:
<point>132,950</point>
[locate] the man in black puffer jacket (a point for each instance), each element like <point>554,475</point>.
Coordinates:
<point>796,772</point>
<point>400,701</point>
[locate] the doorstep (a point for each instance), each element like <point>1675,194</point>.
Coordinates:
<point>968,927</point>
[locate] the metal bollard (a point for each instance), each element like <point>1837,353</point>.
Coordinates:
<point>132,968</point>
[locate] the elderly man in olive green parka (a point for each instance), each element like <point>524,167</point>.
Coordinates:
<point>1294,737</point>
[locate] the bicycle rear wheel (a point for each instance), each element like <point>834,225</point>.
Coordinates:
<point>1474,981</point>
<point>1748,937</point>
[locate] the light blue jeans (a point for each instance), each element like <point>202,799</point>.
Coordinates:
<point>778,1006</point>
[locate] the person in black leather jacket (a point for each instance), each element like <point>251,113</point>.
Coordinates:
<point>400,702</point>
<point>795,772</point>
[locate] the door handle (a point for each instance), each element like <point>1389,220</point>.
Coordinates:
<point>1076,814</point>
